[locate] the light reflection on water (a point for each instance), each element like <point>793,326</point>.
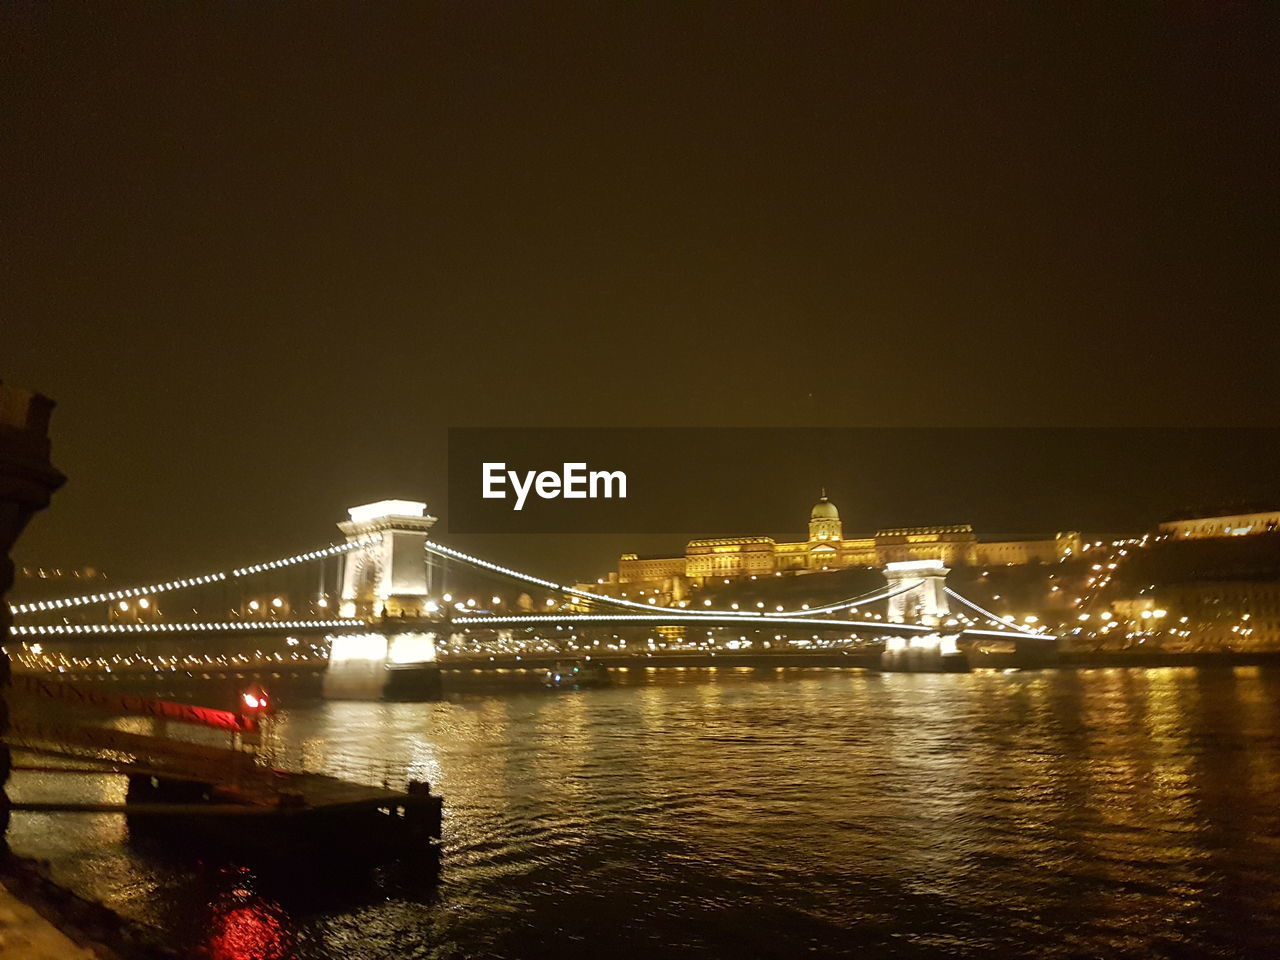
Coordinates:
<point>774,813</point>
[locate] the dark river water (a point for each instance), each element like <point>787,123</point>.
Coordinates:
<point>728,813</point>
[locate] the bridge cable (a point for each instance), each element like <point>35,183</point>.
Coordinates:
<point>586,596</point>
<point>991,616</point>
<point>582,595</point>
<point>873,597</point>
<point>182,582</point>
<point>226,626</point>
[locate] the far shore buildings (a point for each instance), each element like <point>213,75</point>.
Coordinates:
<point>1217,523</point>
<point>826,548</point>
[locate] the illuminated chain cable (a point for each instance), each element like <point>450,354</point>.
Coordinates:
<point>230,626</point>
<point>183,582</point>
<point>441,550</point>
<point>989,615</point>
<point>873,597</point>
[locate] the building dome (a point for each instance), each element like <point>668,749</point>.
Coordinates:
<point>824,509</point>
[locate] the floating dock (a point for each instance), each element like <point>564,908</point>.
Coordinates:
<point>228,791</point>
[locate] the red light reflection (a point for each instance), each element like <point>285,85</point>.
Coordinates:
<point>245,927</point>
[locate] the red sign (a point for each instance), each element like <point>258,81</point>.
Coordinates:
<point>34,686</point>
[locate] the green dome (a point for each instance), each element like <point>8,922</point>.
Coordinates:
<point>824,509</point>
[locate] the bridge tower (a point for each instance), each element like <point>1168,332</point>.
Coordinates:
<point>388,575</point>
<point>924,601</point>
<point>385,581</point>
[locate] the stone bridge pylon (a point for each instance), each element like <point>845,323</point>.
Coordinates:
<point>923,600</point>
<point>388,576</point>
<point>386,581</point>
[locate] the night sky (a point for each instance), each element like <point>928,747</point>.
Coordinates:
<point>264,257</point>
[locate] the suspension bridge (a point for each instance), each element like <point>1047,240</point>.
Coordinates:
<point>379,612</point>
<point>384,626</point>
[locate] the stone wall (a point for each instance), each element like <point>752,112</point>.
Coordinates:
<point>27,481</point>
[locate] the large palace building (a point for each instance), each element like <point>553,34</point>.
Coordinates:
<point>827,549</point>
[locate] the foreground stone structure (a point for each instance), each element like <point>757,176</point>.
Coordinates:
<point>27,481</point>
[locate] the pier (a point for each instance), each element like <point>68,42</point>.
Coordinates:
<point>230,791</point>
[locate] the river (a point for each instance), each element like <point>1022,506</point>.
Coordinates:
<point>768,813</point>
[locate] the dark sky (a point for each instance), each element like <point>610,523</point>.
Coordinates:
<point>263,257</point>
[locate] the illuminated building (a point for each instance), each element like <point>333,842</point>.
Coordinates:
<point>1222,524</point>
<point>1207,615</point>
<point>1233,614</point>
<point>827,548</point>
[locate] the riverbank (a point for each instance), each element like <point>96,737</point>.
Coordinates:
<point>867,659</point>
<point>26,935</point>
<point>42,920</point>
<point>467,672</point>
<point>1156,658</point>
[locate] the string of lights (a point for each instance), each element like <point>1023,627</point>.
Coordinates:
<point>35,658</point>
<point>184,582</point>
<point>229,626</point>
<point>989,615</point>
<point>676,618</point>
<point>441,550</point>
<point>873,597</point>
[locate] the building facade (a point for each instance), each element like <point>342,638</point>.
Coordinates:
<point>1208,615</point>
<point>827,548</point>
<point>1223,525</point>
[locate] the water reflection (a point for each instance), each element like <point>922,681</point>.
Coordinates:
<point>773,813</point>
<point>244,925</point>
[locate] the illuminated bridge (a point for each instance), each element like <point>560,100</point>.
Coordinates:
<point>390,618</point>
